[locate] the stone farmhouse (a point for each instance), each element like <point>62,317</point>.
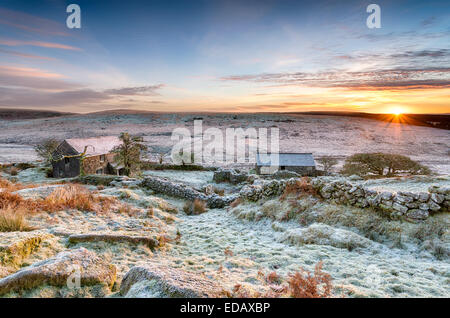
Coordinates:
<point>86,155</point>
<point>301,163</point>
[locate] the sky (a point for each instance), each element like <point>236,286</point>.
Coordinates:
<point>226,56</point>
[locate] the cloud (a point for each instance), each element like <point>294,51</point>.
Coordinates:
<point>428,21</point>
<point>31,23</point>
<point>139,90</point>
<point>32,78</point>
<point>9,42</point>
<point>31,87</point>
<point>366,80</point>
<point>20,97</point>
<point>25,55</point>
<point>424,53</point>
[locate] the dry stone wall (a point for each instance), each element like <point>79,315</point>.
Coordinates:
<point>163,185</point>
<point>229,175</point>
<point>398,204</point>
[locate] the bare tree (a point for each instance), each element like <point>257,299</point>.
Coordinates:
<point>45,150</point>
<point>129,152</point>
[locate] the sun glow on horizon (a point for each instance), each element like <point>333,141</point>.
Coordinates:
<point>397,111</point>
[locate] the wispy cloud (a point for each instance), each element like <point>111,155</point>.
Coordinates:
<point>139,90</point>
<point>9,42</point>
<point>25,55</point>
<point>24,87</point>
<point>374,79</point>
<point>31,23</point>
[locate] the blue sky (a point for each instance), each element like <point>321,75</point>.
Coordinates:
<point>225,56</point>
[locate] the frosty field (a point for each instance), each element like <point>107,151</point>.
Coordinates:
<point>129,225</point>
<point>322,135</point>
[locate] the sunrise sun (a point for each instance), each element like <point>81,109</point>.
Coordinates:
<point>396,111</point>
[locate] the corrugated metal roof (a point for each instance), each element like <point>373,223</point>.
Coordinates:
<point>289,160</point>
<point>95,146</point>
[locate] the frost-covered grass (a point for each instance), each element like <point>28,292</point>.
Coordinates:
<point>196,179</point>
<point>322,135</point>
<point>429,237</point>
<point>409,184</point>
<point>376,271</point>
<point>366,254</point>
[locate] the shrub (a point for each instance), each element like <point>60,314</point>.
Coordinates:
<point>12,220</point>
<point>273,278</point>
<point>303,284</point>
<point>327,162</point>
<point>194,207</point>
<point>382,164</point>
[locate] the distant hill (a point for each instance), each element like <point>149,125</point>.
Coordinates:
<point>18,114</point>
<point>441,121</point>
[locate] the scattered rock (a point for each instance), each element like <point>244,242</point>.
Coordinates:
<point>114,238</point>
<point>161,281</point>
<point>322,234</point>
<point>229,175</point>
<point>284,174</point>
<point>163,185</point>
<point>16,246</point>
<point>56,272</point>
<point>355,177</point>
<point>417,214</point>
<point>38,192</point>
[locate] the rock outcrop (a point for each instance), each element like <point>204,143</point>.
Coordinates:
<point>161,281</point>
<point>57,271</point>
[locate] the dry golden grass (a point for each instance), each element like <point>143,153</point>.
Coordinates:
<point>273,278</point>
<point>196,207</point>
<point>12,186</point>
<point>301,284</point>
<point>236,202</point>
<point>220,192</point>
<point>70,196</point>
<point>12,220</point>
<point>13,171</point>
<point>199,206</point>
<point>228,252</point>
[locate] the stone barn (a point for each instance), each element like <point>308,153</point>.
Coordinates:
<point>301,163</point>
<point>87,155</point>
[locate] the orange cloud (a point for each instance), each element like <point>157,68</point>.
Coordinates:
<point>39,44</point>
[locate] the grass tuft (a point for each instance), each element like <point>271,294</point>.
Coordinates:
<point>12,220</point>
<point>194,207</point>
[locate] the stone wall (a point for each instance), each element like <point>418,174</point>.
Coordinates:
<point>398,204</point>
<point>165,186</point>
<point>229,175</point>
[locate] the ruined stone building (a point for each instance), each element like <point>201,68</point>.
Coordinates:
<point>86,155</point>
